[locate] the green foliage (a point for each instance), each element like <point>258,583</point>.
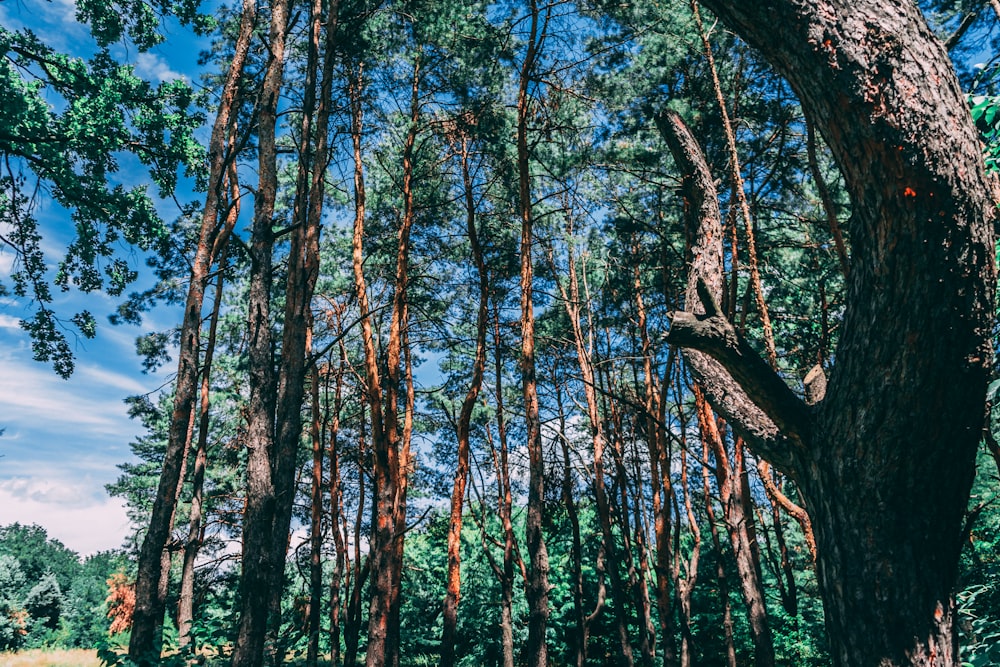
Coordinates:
<point>67,125</point>
<point>48,598</point>
<point>13,617</point>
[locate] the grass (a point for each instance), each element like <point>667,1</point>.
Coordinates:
<point>51,658</point>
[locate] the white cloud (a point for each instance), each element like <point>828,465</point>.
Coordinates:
<point>69,512</point>
<point>8,322</point>
<point>103,377</point>
<point>152,67</point>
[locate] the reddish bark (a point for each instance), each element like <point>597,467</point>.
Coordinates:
<point>454,581</point>
<point>144,643</point>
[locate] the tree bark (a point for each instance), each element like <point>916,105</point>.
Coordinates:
<point>454,582</point>
<point>389,445</point>
<point>884,479</point>
<point>536,650</point>
<point>303,271</point>
<point>147,619</point>
<point>258,563</point>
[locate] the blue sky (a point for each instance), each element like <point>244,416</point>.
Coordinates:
<point>64,438</point>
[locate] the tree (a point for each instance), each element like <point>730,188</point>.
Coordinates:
<point>65,123</point>
<point>885,461</point>
<point>13,617</point>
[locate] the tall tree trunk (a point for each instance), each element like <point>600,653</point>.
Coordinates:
<point>535,651</point>
<point>887,485</point>
<point>315,508</point>
<point>336,500</point>
<point>147,620</point>
<point>389,445</point>
<point>454,582</point>
<point>185,602</point>
<point>258,560</point>
<point>303,271</point>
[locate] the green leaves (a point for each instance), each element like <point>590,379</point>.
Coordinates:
<point>985,115</point>
<point>66,126</point>
<point>984,109</point>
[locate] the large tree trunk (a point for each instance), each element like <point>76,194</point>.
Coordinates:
<point>884,477</point>
<point>390,446</point>
<point>147,620</point>
<point>258,557</point>
<point>303,271</point>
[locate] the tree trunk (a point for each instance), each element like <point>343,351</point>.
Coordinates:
<point>303,271</point>
<point>884,478</point>
<point>536,650</point>
<point>336,500</point>
<point>258,560</point>
<point>390,446</point>
<point>454,582</point>
<point>315,509</point>
<point>185,602</point>
<point>147,619</point>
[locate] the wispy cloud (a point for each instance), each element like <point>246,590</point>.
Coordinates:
<point>154,68</point>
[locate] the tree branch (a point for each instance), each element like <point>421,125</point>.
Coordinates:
<point>737,382</point>
<point>716,337</point>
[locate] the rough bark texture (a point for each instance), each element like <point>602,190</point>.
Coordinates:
<point>258,562</point>
<point>147,619</point>
<point>303,271</point>
<point>884,478</point>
